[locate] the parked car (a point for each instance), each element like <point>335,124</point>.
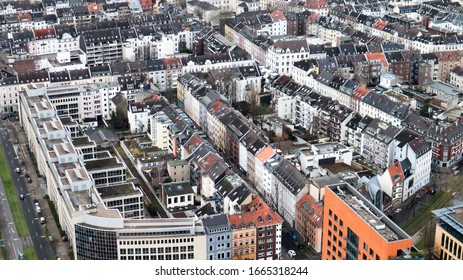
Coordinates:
<point>42,220</point>
<point>290,233</point>
<point>398,210</point>
<point>29,180</point>
<point>291,253</point>
<point>37,208</point>
<point>455,167</point>
<point>18,170</point>
<point>456,172</point>
<point>21,197</point>
<point>21,257</point>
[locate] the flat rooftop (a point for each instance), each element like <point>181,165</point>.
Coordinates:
<point>82,141</point>
<point>125,189</point>
<point>106,163</point>
<point>372,216</point>
<point>336,168</point>
<point>77,175</point>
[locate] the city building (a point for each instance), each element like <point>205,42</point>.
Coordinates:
<point>354,229</point>
<point>218,237</point>
<point>309,221</point>
<point>448,241</point>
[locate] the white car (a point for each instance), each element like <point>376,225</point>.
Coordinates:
<point>398,210</point>
<point>37,208</point>
<point>291,253</point>
<point>42,220</point>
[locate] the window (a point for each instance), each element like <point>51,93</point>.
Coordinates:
<point>330,212</point>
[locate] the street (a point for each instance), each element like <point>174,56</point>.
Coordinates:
<point>37,236</point>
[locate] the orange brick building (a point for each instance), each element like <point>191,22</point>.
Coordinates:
<point>256,232</point>
<point>353,228</point>
<point>309,221</point>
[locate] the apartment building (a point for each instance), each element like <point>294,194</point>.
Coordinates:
<point>290,185</point>
<point>244,237</point>
<point>256,233</point>
<point>179,170</point>
<point>218,237</point>
<point>102,46</point>
<point>309,221</point>
<point>159,130</point>
<point>378,140</point>
<point>283,53</point>
<point>354,229</point>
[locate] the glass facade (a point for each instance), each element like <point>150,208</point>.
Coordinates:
<point>352,251</point>
<point>95,244</point>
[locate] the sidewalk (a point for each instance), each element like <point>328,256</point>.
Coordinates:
<point>59,247</point>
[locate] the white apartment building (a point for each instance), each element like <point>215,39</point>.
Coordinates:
<point>138,115</point>
<point>159,130</point>
<point>325,153</point>
<point>283,53</point>
<point>95,231</point>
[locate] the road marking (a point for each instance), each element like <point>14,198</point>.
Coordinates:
<point>15,239</point>
<point>36,218</point>
<point>36,233</point>
<point>43,236</point>
<point>41,246</point>
<point>28,210</point>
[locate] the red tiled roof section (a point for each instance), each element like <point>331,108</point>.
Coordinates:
<point>194,142</point>
<point>380,25</point>
<point>172,62</point>
<point>24,17</point>
<point>257,212</point>
<point>265,154</point>
<point>147,5</point>
<point>94,8</point>
<point>278,14</point>
<point>306,203</point>
<point>258,208</point>
<point>208,162</point>
<point>216,106</point>
<point>449,55</point>
<point>360,92</point>
<point>316,4</point>
<point>44,33</point>
<point>396,172</point>
<point>377,57</point>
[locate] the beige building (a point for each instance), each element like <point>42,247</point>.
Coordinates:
<point>179,170</point>
<point>159,130</point>
<point>448,240</point>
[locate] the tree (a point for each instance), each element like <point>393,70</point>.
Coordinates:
<point>119,120</point>
<point>428,237</point>
<point>227,87</point>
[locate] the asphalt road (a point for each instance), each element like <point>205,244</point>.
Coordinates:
<point>39,240</point>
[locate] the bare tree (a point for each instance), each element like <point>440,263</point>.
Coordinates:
<point>228,88</point>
